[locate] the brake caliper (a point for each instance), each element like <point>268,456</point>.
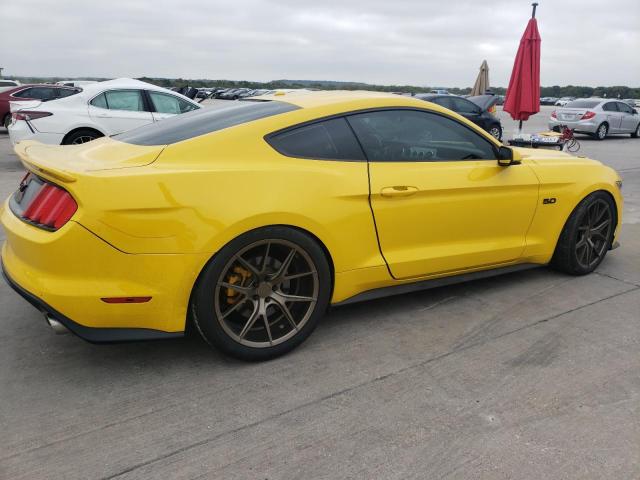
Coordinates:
<point>239,277</point>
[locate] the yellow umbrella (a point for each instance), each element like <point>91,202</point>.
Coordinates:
<point>482,82</point>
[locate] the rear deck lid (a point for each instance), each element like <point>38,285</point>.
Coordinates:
<point>64,163</point>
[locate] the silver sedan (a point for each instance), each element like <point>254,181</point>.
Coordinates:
<point>597,117</point>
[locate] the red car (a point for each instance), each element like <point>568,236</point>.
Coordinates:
<point>42,92</point>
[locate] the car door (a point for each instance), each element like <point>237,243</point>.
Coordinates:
<point>440,201</point>
<point>165,105</point>
<point>628,118</point>
<point>613,116</point>
<point>117,111</point>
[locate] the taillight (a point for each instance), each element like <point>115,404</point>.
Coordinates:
<point>492,109</point>
<point>588,114</point>
<point>29,115</point>
<point>554,115</point>
<point>50,208</point>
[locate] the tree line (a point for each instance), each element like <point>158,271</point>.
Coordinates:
<point>553,91</point>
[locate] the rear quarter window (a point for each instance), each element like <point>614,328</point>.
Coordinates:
<point>326,140</point>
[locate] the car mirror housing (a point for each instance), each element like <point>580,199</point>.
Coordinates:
<point>508,156</point>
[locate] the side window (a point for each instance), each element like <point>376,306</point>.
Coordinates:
<point>164,103</point>
<point>623,107</point>
<point>411,135</point>
<point>462,105</point>
<point>43,93</point>
<point>610,107</point>
<point>130,100</point>
<point>444,102</point>
<point>329,139</point>
<point>100,101</point>
<point>23,93</point>
<point>66,92</point>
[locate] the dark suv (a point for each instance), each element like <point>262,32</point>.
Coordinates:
<point>478,109</point>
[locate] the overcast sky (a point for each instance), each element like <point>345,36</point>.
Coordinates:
<point>417,42</point>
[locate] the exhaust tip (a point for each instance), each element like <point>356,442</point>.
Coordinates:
<point>56,326</point>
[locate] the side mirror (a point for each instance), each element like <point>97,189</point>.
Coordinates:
<point>508,156</point>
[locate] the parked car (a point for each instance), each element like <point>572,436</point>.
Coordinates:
<point>633,103</point>
<point>597,117</point>
<point>100,109</point>
<point>548,100</point>
<point>75,83</point>
<point>26,93</point>
<point>479,109</point>
<point>233,93</point>
<point>561,102</point>
<point>8,84</point>
<point>148,237</point>
<point>439,91</point>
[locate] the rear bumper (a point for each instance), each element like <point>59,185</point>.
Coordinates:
<point>586,126</point>
<point>19,131</point>
<point>68,272</point>
<point>92,335</point>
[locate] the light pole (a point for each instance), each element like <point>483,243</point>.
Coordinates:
<point>1,71</point>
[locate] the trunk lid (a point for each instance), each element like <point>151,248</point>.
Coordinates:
<point>485,102</point>
<point>570,114</point>
<point>65,163</point>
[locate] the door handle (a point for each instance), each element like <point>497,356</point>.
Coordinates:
<point>398,191</point>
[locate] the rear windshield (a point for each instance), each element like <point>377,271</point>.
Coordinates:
<point>582,104</point>
<point>202,121</point>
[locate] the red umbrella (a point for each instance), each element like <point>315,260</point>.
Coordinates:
<point>523,94</point>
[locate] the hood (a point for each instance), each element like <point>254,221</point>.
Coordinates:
<point>485,102</point>
<point>545,155</point>
<point>66,162</point>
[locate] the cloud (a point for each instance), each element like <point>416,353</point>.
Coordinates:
<point>415,42</point>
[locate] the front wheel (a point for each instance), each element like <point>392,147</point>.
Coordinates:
<point>7,120</point>
<point>263,294</point>
<point>586,236</point>
<point>636,132</point>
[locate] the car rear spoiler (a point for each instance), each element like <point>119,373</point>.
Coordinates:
<point>40,166</point>
<point>485,102</point>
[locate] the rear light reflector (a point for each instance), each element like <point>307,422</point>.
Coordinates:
<point>50,208</point>
<point>125,299</point>
<point>492,109</point>
<point>588,114</point>
<point>29,115</point>
<point>554,115</point>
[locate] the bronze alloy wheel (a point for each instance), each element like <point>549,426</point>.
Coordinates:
<point>594,233</point>
<point>266,293</point>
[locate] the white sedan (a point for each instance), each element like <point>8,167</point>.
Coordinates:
<point>101,109</point>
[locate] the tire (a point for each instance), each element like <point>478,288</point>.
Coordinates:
<point>601,131</point>
<point>636,134</point>
<point>6,120</point>
<point>81,136</point>
<point>249,322</point>
<point>575,245</point>
<point>496,131</point>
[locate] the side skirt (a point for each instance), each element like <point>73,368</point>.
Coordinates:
<point>434,283</point>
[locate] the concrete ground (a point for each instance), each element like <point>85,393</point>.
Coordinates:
<point>532,375</point>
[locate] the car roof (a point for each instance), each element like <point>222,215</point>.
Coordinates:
<point>310,99</point>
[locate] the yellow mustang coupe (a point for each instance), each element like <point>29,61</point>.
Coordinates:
<point>250,220</point>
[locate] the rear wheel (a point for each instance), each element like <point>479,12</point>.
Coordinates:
<point>6,120</point>
<point>636,133</point>
<point>601,131</point>
<point>586,236</point>
<point>496,131</point>
<point>81,136</point>
<point>263,294</point>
